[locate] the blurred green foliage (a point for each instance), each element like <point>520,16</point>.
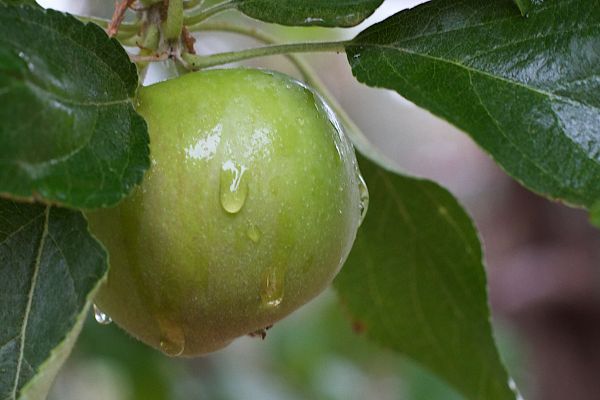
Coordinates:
<point>314,354</point>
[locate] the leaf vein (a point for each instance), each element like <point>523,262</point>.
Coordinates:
<point>27,314</point>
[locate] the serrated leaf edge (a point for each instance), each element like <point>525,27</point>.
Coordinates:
<point>37,387</point>
<point>25,322</point>
<point>129,99</point>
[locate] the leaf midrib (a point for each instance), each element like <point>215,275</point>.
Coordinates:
<point>50,94</point>
<point>30,302</point>
<point>465,67</point>
<point>55,96</point>
<point>471,70</point>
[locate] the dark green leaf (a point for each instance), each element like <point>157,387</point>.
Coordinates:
<point>68,132</point>
<point>25,2</point>
<point>524,6</point>
<point>49,268</point>
<point>329,13</point>
<point>526,89</point>
<point>415,282</point>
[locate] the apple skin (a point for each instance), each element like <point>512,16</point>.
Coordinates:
<point>248,211</point>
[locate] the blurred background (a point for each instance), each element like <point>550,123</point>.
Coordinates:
<point>542,260</point>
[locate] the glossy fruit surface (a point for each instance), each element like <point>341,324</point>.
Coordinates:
<point>248,211</point>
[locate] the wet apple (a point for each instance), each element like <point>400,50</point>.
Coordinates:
<point>248,211</point>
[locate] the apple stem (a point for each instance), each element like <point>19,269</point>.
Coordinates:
<point>198,62</point>
<point>149,58</point>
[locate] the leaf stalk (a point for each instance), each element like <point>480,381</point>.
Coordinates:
<point>199,62</point>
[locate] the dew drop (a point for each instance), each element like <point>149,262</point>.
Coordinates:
<point>101,317</point>
<point>172,339</point>
<point>233,187</point>
<point>364,198</point>
<point>273,285</point>
<point>254,233</point>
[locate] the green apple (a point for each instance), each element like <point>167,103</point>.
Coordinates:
<point>248,211</point>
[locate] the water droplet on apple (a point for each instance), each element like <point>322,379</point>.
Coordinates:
<point>254,233</point>
<point>233,187</point>
<point>364,197</point>
<point>172,339</point>
<point>171,348</point>
<point>101,317</point>
<point>273,286</point>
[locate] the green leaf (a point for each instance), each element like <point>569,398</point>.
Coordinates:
<point>69,134</point>
<point>50,267</point>
<point>329,13</point>
<point>524,6</point>
<point>415,282</point>
<point>25,2</point>
<point>525,89</point>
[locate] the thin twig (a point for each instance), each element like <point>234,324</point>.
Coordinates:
<point>200,62</point>
<point>118,16</point>
<point>151,58</point>
<point>124,27</point>
<point>188,40</point>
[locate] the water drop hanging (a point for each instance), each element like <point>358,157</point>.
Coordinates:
<point>172,338</point>
<point>101,317</point>
<point>273,286</point>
